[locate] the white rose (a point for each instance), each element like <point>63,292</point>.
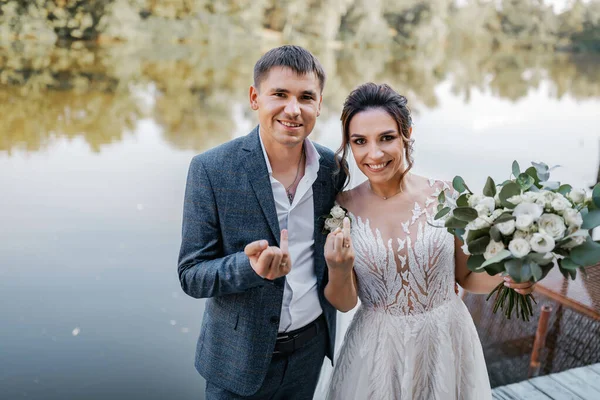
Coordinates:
<point>560,204</point>
<point>497,200</point>
<point>545,198</point>
<point>573,217</point>
<point>522,235</point>
<point>338,212</point>
<point>542,243</point>
<point>575,241</point>
<point>518,199</point>
<point>489,203</point>
<point>532,209</point>
<point>474,199</point>
<point>577,195</point>
<point>519,247</point>
<point>552,225</point>
<point>492,249</point>
<point>524,222</point>
<point>331,224</point>
<point>531,197</point>
<point>506,228</point>
<point>482,209</point>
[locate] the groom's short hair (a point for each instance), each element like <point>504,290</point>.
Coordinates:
<point>297,58</point>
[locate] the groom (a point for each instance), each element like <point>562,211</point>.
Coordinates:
<point>252,242</point>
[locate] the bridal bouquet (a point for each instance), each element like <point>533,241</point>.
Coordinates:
<point>523,227</point>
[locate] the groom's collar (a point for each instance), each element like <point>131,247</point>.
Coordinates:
<point>312,156</point>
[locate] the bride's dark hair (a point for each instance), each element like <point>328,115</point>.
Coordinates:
<point>372,96</point>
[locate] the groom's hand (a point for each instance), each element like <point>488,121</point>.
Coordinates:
<point>270,262</point>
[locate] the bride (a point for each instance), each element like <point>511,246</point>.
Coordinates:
<point>412,337</point>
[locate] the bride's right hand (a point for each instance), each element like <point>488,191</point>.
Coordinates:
<point>339,252</point>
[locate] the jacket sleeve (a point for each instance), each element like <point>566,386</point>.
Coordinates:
<point>204,271</point>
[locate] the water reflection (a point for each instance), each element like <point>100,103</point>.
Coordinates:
<point>98,93</point>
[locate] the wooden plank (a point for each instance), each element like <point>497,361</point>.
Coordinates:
<point>554,389</point>
<point>580,381</point>
<point>595,368</point>
<point>501,394</point>
<point>525,390</point>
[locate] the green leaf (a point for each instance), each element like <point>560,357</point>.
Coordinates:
<point>467,214</point>
<point>568,263</point>
<point>554,167</point>
<point>495,234</point>
<point>439,207</point>
<point>505,183</point>
<point>503,254</point>
<point>531,171</point>
<point>505,217</point>
<point>526,273</point>
<point>587,254</point>
<point>513,267</point>
<point>474,261</point>
<point>596,195</point>
<point>476,234</point>
<point>515,168</point>
<point>442,197</point>
<point>565,189</point>
<point>479,245</point>
<point>495,269</point>
<point>525,181</point>
<point>508,191</point>
<point>455,223</point>
<point>543,172</point>
<point>489,188</point>
<point>463,200</point>
<point>536,271</point>
<point>458,183</point>
<point>584,272</point>
<point>591,219</point>
<point>538,258</point>
<point>442,212</point>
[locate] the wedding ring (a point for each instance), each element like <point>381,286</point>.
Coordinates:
<point>283,265</point>
<point>347,246</point>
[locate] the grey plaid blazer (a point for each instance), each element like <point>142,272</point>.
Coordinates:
<point>228,204</point>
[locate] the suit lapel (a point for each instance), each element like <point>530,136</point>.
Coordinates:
<point>258,175</point>
<point>320,195</point>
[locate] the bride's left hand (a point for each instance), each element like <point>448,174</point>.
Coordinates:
<point>339,252</point>
<point>521,288</point>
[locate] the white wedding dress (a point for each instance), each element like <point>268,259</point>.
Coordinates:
<point>412,337</point>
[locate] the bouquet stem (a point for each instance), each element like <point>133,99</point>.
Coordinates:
<point>517,302</point>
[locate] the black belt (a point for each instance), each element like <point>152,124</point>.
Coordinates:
<point>288,342</point>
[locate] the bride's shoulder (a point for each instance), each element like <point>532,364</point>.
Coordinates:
<point>349,197</point>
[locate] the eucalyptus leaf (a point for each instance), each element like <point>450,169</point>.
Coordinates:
<point>458,183</point>
<point>554,167</point>
<point>459,233</point>
<point>565,189</point>
<point>596,195</point>
<point>591,219</point>
<point>538,258</point>
<point>505,183</point>
<point>463,200</point>
<point>467,214</point>
<point>551,185</point>
<point>526,273</point>
<point>502,255</point>
<point>587,254</point>
<point>543,172</point>
<point>525,181</point>
<point>495,269</point>
<point>508,191</point>
<point>455,223</point>
<point>531,171</point>
<point>505,217</point>
<point>568,263</point>
<point>442,212</point>
<point>495,234</point>
<point>516,170</point>
<point>489,189</point>
<point>533,189</point>
<point>513,267</point>
<point>536,271</point>
<point>479,245</point>
<point>474,261</point>
<point>476,234</point>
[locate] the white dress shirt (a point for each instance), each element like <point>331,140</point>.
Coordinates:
<point>300,297</point>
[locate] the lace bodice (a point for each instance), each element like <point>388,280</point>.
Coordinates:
<point>412,272</point>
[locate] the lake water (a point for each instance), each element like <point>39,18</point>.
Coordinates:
<point>92,175</point>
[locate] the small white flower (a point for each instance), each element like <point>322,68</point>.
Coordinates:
<point>519,247</point>
<point>573,217</point>
<point>331,224</point>
<point>532,209</point>
<point>560,204</point>
<point>479,223</point>
<point>506,228</point>
<point>524,222</point>
<point>577,195</point>
<point>531,197</point>
<point>338,212</point>
<point>518,199</point>
<point>492,249</point>
<point>552,225</point>
<point>542,243</point>
<point>474,199</point>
